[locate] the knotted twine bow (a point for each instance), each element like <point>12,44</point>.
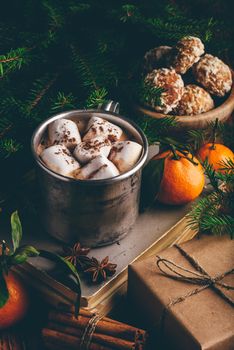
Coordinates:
<point>199,277</point>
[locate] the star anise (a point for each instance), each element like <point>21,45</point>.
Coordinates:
<point>76,255</point>
<point>100,270</point>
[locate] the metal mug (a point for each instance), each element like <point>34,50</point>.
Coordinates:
<point>93,212</point>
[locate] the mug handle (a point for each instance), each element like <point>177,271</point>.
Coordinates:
<point>110,106</point>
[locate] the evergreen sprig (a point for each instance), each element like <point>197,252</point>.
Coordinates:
<point>212,175</point>
<point>170,25</point>
<point>156,129</point>
<point>149,94</point>
<point>63,102</point>
<point>13,60</point>
<point>96,98</point>
<point>94,71</point>
<point>214,213</point>
<point>223,131</point>
<point>9,147</point>
<point>207,216</point>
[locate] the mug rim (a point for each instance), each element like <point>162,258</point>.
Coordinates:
<point>110,180</point>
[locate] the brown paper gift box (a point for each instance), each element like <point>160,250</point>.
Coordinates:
<point>202,321</point>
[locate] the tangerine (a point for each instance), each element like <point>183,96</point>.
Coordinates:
<point>182,180</point>
<point>17,305</point>
<point>215,154</point>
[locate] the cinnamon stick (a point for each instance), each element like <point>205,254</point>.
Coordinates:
<point>102,339</point>
<point>61,341</point>
<point>86,313</point>
<point>119,330</point>
<point>14,342</point>
<point>52,346</point>
<point>4,345</point>
<point>10,341</point>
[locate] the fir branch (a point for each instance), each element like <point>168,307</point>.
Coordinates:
<point>217,224</point>
<point>63,102</point>
<point>95,70</point>
<point>149,94</point>
<point>13,60</point>
<point>9,109</point>
<point>8,147</point>
<point>39,90</point>
<point>79,8</point>
<point>167,26</point>
<point>227,165</point>
<point>5,127</point>
<point>156,129</point>
<point>205,216</point>
<point>214,213</point>
<point>196,138</point>
<point>83,69</point>
<point>226,172</point>
<point>223,131</point>
<point>211,174</point>
<point>129,11</point>
<point>56,18</point>
<point>96,98</point>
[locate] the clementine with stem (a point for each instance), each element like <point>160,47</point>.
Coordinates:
<point>183,178</point>
<point>215,153</point>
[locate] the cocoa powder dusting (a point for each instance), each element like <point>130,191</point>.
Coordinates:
<point>96,171</point>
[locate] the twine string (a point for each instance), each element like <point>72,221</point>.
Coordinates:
<point>89,330</point>
<point>198,277</point>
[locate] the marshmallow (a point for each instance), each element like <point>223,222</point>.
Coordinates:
<point>100,127</point>
<point>59,159</point>
<point>87,150</point>
<point>98,168</point>
<point>64,131</point>
<point>125,154</point>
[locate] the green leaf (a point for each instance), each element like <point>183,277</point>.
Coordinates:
<point>4,293</point>
<point>22,254</point>
<point>71,268</point>
<point>27,250</point>
<point>16,230</point>
<point>151,180</point>
<point>17,259</point>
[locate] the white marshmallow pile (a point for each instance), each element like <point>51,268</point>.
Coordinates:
<point>99,154</point>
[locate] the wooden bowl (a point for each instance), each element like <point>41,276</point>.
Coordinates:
<point>199,121</point>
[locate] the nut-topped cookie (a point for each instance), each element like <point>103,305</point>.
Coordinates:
<point>195,100</point>
<point>172,85</point>
<point>156,58</point>
<point>187,51</point>
<point>214,75</point>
